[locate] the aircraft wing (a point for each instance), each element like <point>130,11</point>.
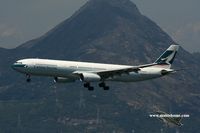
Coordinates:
<point>116,72</point>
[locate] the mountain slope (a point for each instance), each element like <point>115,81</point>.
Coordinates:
<point>113,20</point>
<point>105,31</point>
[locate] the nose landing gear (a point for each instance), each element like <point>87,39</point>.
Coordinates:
<point>28,78</point>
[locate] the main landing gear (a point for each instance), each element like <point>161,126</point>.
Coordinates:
<point>28,78</point>
<point>87,85</point>
<point>102,85</point>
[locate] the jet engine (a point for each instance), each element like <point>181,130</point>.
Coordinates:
<point>63,80</point>
<point>90,77</point>
<point>166,72</point>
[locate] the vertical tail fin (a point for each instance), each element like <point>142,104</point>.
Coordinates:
<point>168,56</point>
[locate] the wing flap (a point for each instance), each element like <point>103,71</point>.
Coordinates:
<point>117,72</point>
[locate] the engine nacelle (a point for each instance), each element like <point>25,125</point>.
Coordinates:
<point>63,80</point>
<point>90,77</point>
<point>166,71</point>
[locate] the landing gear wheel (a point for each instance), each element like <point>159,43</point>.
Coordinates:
<point>102,84</point>
<point>90,88</point>
<point>87,85</point>
<point>28,80</point>
<point>106,88</point>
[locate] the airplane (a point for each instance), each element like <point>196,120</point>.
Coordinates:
<point>71,71</point>
<point>170,121</point>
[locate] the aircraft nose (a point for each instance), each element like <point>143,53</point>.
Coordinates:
<point>17,66</point>
<point>13,66</point>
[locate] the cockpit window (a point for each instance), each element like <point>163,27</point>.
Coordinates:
<point>19,62</point>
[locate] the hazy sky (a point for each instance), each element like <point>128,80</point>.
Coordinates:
<point>179,18</point>
<point>23,20</point>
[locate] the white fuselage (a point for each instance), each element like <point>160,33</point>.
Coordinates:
<point>65,69</point>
